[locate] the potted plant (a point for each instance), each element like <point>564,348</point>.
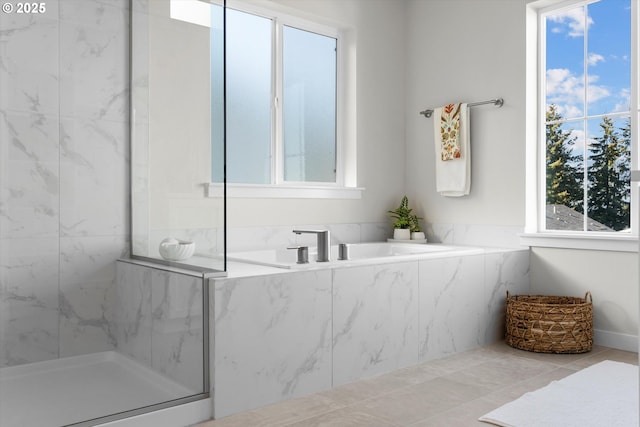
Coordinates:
<point>403,220</point>
<point>416,231</point>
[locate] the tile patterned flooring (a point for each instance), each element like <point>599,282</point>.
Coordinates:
<point>452,392</point>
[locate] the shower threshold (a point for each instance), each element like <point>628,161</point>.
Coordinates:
<point>75,389</point>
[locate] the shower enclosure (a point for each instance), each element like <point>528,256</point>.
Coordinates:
<point>108,111</point>
<point>177,111</point>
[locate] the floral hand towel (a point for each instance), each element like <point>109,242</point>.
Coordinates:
<point>453,176</point>
<point>450,132</point>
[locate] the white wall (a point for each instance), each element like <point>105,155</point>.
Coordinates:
<point>467,51</point>
<point>611,277</point>
<point>471,50</point>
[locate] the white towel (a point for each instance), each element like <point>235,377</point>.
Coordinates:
<point>453,177</point>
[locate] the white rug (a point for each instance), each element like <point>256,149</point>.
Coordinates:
<point>605,394</point>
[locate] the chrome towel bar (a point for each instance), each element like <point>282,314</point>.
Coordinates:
<point>498,102</point>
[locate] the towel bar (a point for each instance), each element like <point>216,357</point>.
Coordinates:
<point>498,102</point>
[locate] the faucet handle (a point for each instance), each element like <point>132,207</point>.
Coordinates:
<point>302,255</point>
<point>343,252</point>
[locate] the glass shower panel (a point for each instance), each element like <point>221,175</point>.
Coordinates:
<point>176,111</point>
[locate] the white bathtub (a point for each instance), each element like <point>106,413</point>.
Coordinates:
<point>359,253</point>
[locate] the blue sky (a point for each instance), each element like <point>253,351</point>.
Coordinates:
<point>607,29</point>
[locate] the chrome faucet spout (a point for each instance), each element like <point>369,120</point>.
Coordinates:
<point>324,243</point>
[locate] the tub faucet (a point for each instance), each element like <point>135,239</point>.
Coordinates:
<point>324,243</point>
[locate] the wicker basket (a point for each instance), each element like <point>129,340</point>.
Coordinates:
<point>550,324</point>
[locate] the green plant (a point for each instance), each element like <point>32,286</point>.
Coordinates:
<point>415,224</point>
<point>403,218</point>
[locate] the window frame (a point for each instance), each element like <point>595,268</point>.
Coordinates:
<point>345,185</point>
<point>535,233</point>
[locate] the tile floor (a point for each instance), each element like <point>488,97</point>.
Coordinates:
<point>452,392</point>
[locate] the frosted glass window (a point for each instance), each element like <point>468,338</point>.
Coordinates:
<point>281,98</point>
<point>309,106</point>
<point>249,97</point>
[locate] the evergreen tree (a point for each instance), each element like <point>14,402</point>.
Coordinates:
<point>609,176</point>
<point>625,160</point>
<point>564,167</point>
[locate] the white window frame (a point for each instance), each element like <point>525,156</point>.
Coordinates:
<point>535,234</point>
<point>345,186</point>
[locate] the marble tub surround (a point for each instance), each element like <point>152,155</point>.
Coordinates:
<point>272,339</point>
<point>504,271</point>
<point>210,241</point>
<point>452,299</point>
<point>457,313</point>
<point>351,323</point>
<point>278,237</point>
<point>159,321</point>
<point>375,320</point>
<point>358,254</point>
<point>493,236</point>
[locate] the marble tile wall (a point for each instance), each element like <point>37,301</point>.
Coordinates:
<point>375,319</point>
<point>452,301</point>
<point>159,317</point>
<point>272,339</point>
<point>463,300</point>
<point>278,237</point>
<point>381,318</point>
<point>503,271</point>
<point>63,177</point>
<point>493,236</point>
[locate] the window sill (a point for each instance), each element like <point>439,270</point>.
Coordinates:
<point>609,242</point>
<point>256,191</point>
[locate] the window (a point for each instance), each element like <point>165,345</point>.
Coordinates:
<point>284,84</point>
<point>587,112</point>
<point>309,106</point>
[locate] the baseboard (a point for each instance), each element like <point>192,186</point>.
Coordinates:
<point>616,340</point>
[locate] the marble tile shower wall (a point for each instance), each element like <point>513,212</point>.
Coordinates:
<point>158,322</point>
<point>63,177</point>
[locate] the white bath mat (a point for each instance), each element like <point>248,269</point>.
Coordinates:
<point>605,394</point>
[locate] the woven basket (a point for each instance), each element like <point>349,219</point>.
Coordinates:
<point>550,324</point>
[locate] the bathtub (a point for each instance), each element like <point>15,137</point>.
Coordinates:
<point>359,253</point>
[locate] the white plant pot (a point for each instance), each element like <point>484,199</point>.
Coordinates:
<point>418,235</point>
<point>401,234</point>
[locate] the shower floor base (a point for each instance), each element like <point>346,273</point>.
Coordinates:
<point>59,392</point>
